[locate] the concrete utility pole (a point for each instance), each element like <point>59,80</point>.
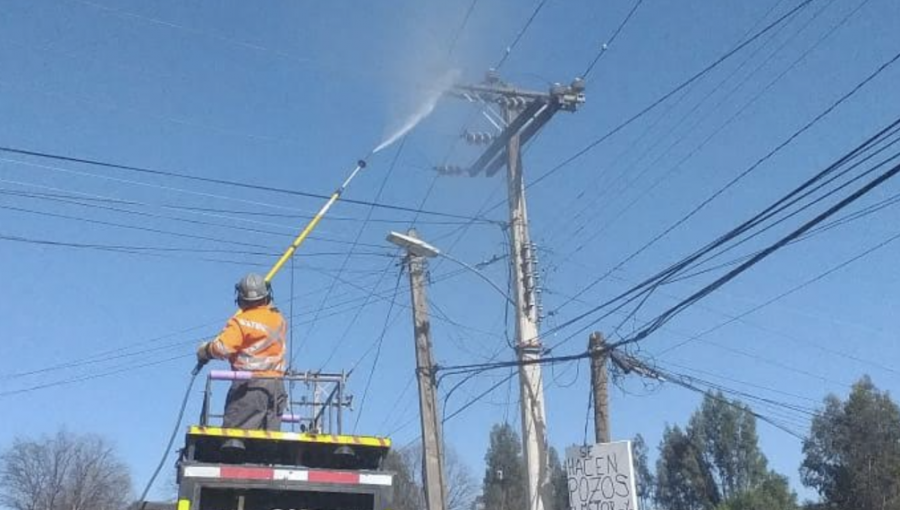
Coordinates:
<point>524,113</point>
<point>432,446</point>
<point>600,387</point>
<point>528,345</point>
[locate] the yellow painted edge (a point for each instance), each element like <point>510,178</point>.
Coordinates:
<point>184,504</point>
<point>291,436</point>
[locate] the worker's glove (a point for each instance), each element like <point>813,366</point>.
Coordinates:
<point>203,354</point>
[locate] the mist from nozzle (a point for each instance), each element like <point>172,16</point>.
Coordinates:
<point>432,94</point>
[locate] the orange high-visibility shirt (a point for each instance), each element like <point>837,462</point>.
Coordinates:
<point>253,340</point>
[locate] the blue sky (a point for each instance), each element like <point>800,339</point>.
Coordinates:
<point>291,94</point>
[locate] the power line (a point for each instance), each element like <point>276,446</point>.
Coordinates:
<point>113,370</point>
<point>126,226</point>
<point>223,182</point>
<point>128,368</point>
<point>183,220</point>
<point>462,26</point>
<point>612,39</point>
<point>651,283</point>
<point>629,364</point>
<point>165,249</point>
<point>670,93</point>
<point>788,368</point>
<point>361,229</point>
<point>229,213</point>
<point>521,33</point>
<point>610,189</point>
<point>727,123</point>
<point>675,310</point>
<point>377,346</point>
<point>124,352</point>
<point>742,175</point>
<point>475,400</point>
<point>791,291</point>
<point>824,228</point>
<point>691,383</point>
<point>122,13</point>
<point>796,212</point>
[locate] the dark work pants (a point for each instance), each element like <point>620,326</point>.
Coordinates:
<point>255,404</point>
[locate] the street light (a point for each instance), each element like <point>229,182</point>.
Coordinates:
<point>413,245</point>
<point>418,247</point>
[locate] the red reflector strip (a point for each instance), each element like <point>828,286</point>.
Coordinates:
<point>246,473</point>
<point>287,475</point>
<point>333,477</point>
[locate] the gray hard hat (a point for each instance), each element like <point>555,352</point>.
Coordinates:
<point>252,288</point>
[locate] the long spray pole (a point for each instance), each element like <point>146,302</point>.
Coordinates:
<point>289,252</point>
<point>313,222</point>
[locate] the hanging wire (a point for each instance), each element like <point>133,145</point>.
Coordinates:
<point>290,366</point>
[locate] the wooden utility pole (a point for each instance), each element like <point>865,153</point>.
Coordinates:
<point>432,446</point>
<point>600,387</point>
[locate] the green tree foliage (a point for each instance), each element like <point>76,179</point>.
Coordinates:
<point>725,433</point>
<point>773,493</point>
<point>644,481</point>
<point>716,464</point>
<point>504,486</point>
<point>852,454</point>
<point>682,481</point>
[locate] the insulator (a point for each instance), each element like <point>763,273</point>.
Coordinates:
<point>578,84</point>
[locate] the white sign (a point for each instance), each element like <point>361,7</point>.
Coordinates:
<point>601,477</point>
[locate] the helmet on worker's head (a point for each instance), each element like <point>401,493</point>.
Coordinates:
<point>252,290</point>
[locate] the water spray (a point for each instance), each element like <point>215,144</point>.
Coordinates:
<point>424,110</point>
<point>429,100</point>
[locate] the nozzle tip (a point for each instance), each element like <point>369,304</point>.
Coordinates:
<point>361,163</point>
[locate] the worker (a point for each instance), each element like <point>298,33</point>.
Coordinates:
<point>252,341</point>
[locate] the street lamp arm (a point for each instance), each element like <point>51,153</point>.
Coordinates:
<point>481,275</point>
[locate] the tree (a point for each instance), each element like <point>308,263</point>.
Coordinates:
<point>64,472</point>
<point>773,493</point>
<point>726,434</point>
<point>852,454</point>
<point>644,481</point>
<point>461,485</point>
<point>683,482</point>
<point>407,491</point>
<point>504,485</point>
<point>716,463</point>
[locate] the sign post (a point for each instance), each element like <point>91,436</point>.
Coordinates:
<point>601,477</point>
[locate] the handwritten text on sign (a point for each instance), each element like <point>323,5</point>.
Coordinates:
<point>601,477</point>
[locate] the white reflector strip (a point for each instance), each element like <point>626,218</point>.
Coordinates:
<point>290,474</point>
<point>202,472</point>
<point>375,479</point>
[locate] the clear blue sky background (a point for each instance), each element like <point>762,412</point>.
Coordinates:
<point>290,94</point>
